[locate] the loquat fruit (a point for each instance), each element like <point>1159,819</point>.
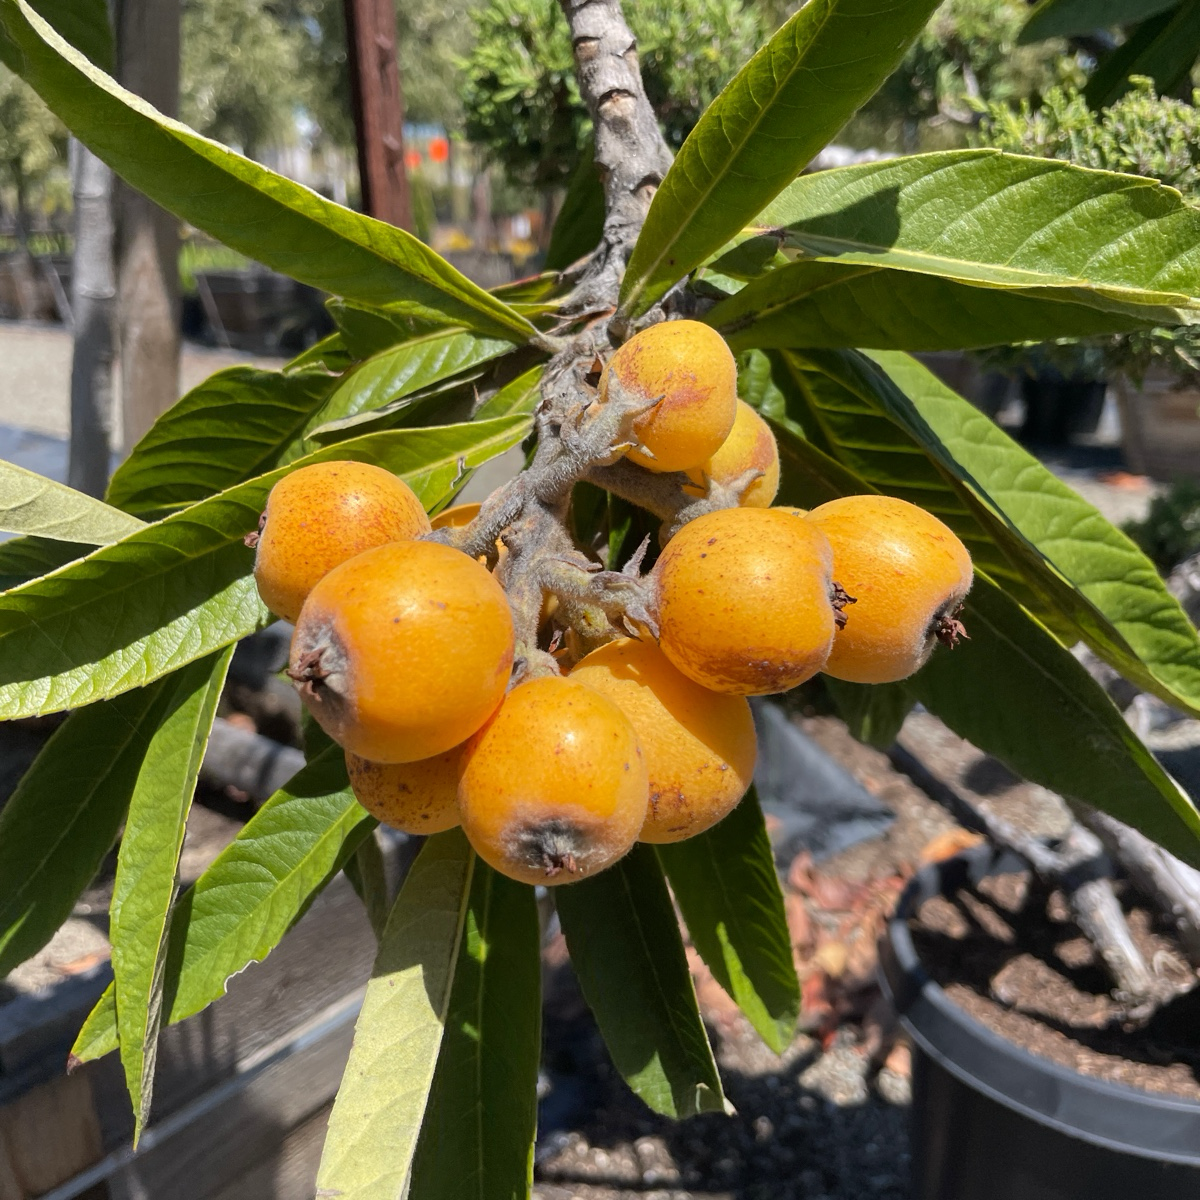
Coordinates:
<point>691,368</point>
<point>745,600</point>
<point>554,787</point>
<point>415,797</point>
<point>699,745</point>
<point>404,651</point>
<point>908,573</point>
<point>750,446</point>
<point>321,515</point>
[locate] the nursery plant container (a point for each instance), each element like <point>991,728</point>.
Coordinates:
<point>1160,426</point>
<point>991,1121</point>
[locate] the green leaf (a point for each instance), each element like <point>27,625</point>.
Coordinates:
<point>63,818</point>
<point>368,329</point>
<point>32,504</point>
<point>84,23</point>
<point>264,215</point>
<point>182,588</point>
<point>727,888</point>
<point>379,1108</point>
<point>148,868</point>
<point>905,433</point>
<point>329,354</point>
<point>874,713</point>
<point>1164,48</point>
<point>959,249</point>
<point>626,950</point>
<point>476,1140</point>
<point>235,425</point>
<point>26,558</point>
<point>1015,693</point>
<point>1144,633</point>
<point>381,383</point>
<point>836,398</point>
<point>1069,18</point>
<point>579,225</point>
<point>519,396</point>
<point>250,895</point>
<point>761,131</point>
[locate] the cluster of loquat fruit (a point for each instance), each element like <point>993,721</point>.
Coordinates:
<point>404,646</point>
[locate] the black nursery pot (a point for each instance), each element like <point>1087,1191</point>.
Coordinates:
<point>990,1121</point>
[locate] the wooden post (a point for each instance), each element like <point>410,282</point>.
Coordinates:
<point>378,109</point>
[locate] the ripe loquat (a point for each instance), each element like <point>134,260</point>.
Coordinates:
<point>555,786</point>
<point>319,517</point>
<point>750,446</point>
<point>415,797</point>
<point>744,599</point>
<point>456,516</point>
<point>699,745</point>
<point>404,651</point>
<point>690,367</point>
<point>908,574</point>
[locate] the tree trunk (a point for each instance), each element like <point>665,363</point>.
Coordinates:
<point>147,237</point>
<point>378,102</point>
<point>93,292</point>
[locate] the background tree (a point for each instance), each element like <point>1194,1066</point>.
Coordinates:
<point>243,70</point>
<point>32,144</point>
<point>969,50</point>
<point>522,100</point>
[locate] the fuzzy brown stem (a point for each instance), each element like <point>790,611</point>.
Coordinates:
<point>631,154</point>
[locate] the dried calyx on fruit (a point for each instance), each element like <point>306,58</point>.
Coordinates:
<point>481,669</point>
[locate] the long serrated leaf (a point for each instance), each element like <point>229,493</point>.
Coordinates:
<point>759,133</point>
<point>250,895</point>
<point>181,588</point>
<point>833,399</point>
<point>1069,18</point>
<point>519,396</point>
<point>148,867</point>
<point>235,425</point>
<point>264,215</point>
<point>379,1108</point>
<point>1015,693</point>
<point>726,886</point>
<point>477,1136</point>
<point>946,250</point>
<point>387,378</point>
<point>32,504</point>
<point>908,435</point>
<point>1149,637</point>
<point>64,816</point>
<point>625,947</point>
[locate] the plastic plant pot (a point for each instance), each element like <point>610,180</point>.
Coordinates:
<point>991,1121</point>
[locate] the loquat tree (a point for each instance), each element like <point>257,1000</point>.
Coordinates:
<point>532,670</point>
